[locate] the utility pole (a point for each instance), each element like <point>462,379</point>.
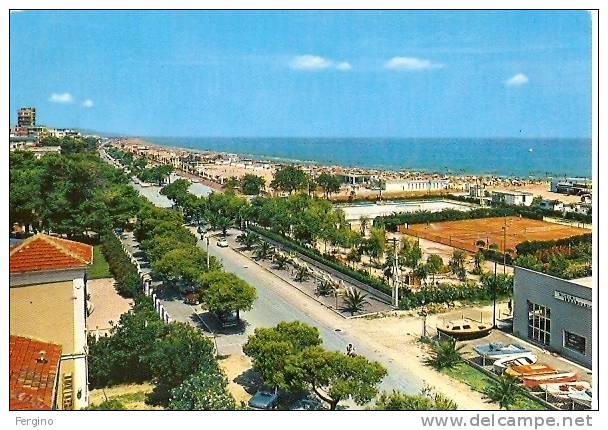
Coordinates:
<point>395,273</point>
<point>494,297</point>
<point>504,248</point>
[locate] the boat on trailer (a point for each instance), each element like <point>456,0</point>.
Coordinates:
<point>566,389</point>
<point>496,351</point>
<point>522,359</point>
<point>464,329</point>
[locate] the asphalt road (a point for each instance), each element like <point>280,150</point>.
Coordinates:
<point>278,301</point>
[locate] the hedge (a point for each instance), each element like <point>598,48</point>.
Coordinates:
<point>451,293</point>
<point>124,271</point>
<point>326,259</point>
<point>391,222</point>
<point>531,247</point>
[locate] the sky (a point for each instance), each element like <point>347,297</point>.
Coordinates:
<point>305,73</point>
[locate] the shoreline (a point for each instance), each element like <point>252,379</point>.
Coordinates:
<point>455,173</point>
<point>214,168</point>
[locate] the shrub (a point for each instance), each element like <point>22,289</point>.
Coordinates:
<point>124,271</point>
<point>325,259</point>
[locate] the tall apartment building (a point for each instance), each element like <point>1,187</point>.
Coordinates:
<point>26,117</point>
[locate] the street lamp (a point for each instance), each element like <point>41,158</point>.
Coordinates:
<point>423,314</point>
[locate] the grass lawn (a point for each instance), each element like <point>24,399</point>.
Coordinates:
<point>479,381</point>
<point>99,268</point>
<point>132,396</point>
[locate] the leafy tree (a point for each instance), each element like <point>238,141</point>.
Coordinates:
<point>334,376</point>
<point>123,356</point>
<point>457,264</point>
<point>479,260</point>
<point>425,401</point>
<point>224,292</point>
<point>434,264</point>
<point>270,348</point>
<point>354,255</point>
<point>174,230</point>
<point>410,253</point>
<point>252,185</point>
<point>504,391</point>
<point>375,245</point>
<point>232,183</point>
<point>206,390</point>
<point>157,174</point>
<point>363,223</point>
<point>444,354</point>
<point>289,179</point>
<point>25,200</point>
<point>187,263</point>
<point>355,301</point>
<point>180,353</point>
<point>329,183</point>
<point>176,191</point>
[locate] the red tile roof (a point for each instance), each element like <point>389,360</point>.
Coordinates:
<point>31,380</point>
<point>43,252</point>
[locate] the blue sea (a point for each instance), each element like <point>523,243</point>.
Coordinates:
<point>500,157</point>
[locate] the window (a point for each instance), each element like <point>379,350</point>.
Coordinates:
<point>574,342</point>
<point>539,323</point>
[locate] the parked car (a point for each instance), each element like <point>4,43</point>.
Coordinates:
<point>306,405</point>
<point>191,299</point>
<point>264,400</point>
<point>222,242</point>
<point>228,318</point>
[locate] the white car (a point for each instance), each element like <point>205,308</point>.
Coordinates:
<point>222,242</point>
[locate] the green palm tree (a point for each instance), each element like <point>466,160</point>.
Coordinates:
<point>355,301</point>
<point>263,251</point>
<point>324,288</point>
<point>504,391</point>
<point>301,274</point>
<point>280,261</point>
<point>444,354</point>
<point>249,240</point>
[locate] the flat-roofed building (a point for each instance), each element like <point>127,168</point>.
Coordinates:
<point>415,185</point>
<point>26,117</point>
<point>514,198</point>
<point>48,303</point>
<point>554,313</point>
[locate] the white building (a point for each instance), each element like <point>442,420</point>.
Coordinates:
<point>415,185</point>
<point>514,198</point>
<point>552,205</point>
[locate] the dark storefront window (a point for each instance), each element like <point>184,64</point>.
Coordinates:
<point>574,342</point>
<point>539,323</point>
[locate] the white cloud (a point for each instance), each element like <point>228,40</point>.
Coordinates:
<point>411,64</point>
<point>517,80</point>
<point>88,103</point>
<point>314,62</point>
<point>64,98</point>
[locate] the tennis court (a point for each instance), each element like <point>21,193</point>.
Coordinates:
<point>467,234</point>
